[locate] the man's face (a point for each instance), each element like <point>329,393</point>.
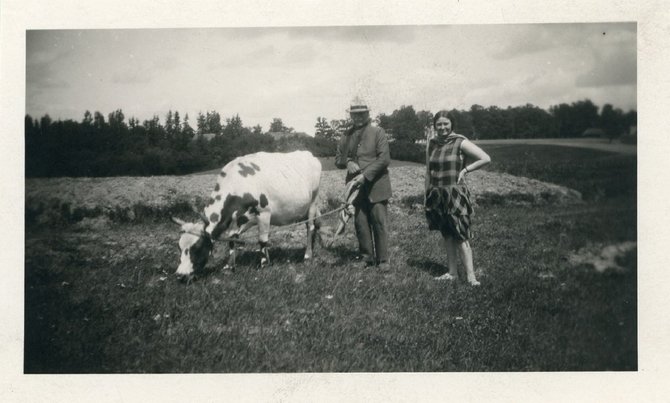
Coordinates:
<point>359,118</point>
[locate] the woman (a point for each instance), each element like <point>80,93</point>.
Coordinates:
<point>449,158</point>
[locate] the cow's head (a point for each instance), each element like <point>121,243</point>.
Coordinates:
<point>195,245</point>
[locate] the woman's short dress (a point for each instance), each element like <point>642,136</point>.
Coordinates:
<point>448,207</point>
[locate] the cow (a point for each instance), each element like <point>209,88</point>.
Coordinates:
<point>260,189</point>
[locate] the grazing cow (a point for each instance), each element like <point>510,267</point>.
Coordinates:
<point>260,189</point>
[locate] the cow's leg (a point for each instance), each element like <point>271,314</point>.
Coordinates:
<point>264,236</point>
<point>312,229</point>
<point>232,254</point>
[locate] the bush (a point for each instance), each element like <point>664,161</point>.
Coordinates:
<point>407,151</point>
<point>319,147</point>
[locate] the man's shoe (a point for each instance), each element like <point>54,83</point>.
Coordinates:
<point>363,264</point>
<point>384,267</point>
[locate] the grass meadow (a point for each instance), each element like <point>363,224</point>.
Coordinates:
<point>106,302</point>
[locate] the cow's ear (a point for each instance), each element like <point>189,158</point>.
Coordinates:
<point>178,221</point>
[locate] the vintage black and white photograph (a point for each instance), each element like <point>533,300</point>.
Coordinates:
<point>363,197</point>
<point>331,199</point>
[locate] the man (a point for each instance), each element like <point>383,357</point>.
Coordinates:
<point>364,152</point>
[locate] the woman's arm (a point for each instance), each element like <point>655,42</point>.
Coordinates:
<point>475,154</point>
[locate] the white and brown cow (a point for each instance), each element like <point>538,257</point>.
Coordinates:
<point>260,189</point>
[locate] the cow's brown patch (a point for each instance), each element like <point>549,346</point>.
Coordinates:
<point>223,174</point>
<point>213,217</point>
<point>218,197</point>
<point>217,187</point>
<point>247,170</point>
<point>241,220</point>
<point>264,200</point>
<point>232,204</point>
<point>210,201</point>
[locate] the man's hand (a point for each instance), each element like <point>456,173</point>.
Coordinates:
<point>353,168</point>
<point>358,180</point>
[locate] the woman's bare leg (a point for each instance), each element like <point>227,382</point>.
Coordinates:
<point>466,257</point>
<point>452,256</point>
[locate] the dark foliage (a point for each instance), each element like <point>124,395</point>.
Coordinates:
<point>111,147</point>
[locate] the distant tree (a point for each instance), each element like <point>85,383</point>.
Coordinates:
<point>426,119</point>
<point>184,135</point>
<point>116,121</point>
<point>323,129</point>
<point>169,124</point>
<point>186,127</point>
<point>630,120</point>
<point>462,123</point>
<point>155,132</point>
<point>45,124</point>
<point>530,121</point>
<point>258,129</point>
<point>176,120</point>
<point>88,119</point>
<point>98,121</point>
<point>278,126</point>
<point>563,119</point>
<point>214,123</point>
<point>234,127</point>
<point>572,120</point>
<point>201,123</point>
<point>28,124</point>
<point>403,124</point>
<point>585,116</point>
<point>340,126</point>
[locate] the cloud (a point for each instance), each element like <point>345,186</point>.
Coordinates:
<point>610,68</point>
<point>532,39</point>
<point>142,72</point>
<point>43,75</point>
<point>131,77</point>
<point>360,34</point>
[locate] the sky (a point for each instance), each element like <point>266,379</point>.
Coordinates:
<point>301,73</point>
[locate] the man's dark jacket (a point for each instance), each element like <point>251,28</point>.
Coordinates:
<point>373,157</point>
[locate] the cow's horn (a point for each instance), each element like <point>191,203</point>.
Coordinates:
<point>200,214</point>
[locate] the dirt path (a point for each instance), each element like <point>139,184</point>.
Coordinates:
<point>593,143</point>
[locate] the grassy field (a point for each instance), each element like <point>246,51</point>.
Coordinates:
<point>105,301</point>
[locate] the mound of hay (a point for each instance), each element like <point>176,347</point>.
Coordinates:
<point>486,188</point>
<point>67,200</point>
<point>615,257</point>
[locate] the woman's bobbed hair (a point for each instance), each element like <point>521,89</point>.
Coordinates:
<point>444,114</point>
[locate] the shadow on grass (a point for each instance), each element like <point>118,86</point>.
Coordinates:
<point>430,267</point>
<point>250,258</point>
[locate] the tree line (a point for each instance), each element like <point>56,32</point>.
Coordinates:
<point>113,146</point>
<point>527,121</point>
